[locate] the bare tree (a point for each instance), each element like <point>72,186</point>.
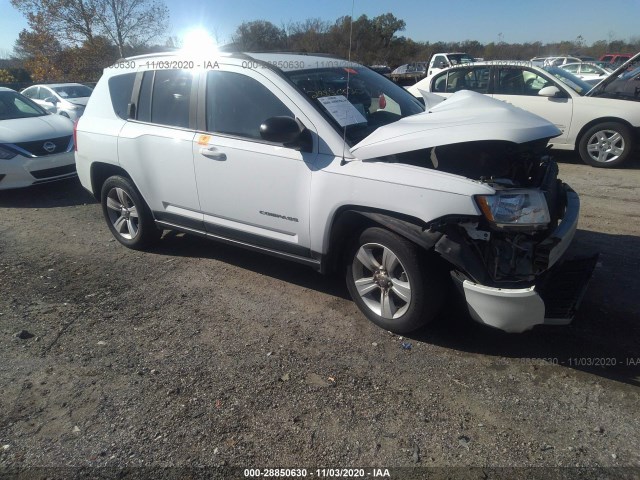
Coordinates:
<point>132,23</point>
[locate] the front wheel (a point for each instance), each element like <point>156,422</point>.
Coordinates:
<point>127,214</point>
<point>606,145</point>
<point>389,282</point>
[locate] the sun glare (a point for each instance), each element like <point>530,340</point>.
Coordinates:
<point>198,40</point>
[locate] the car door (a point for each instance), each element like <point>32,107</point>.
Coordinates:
<point>520,86</point>
<point>155,147</point>
<point>45,93</point>
<point>251,190</point>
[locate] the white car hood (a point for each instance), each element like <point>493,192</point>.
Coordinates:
<point>18,130</point>
<point>466,116</point>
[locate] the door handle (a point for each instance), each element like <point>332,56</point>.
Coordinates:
<point>213,153</point>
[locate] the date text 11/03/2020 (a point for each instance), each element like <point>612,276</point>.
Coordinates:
<point>575,361</point>
<point>213,64</point>
<point>317,472</point>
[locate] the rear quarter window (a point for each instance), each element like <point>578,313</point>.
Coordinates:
<point>120,89</point>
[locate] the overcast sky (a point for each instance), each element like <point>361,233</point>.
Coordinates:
<point>486,21</point>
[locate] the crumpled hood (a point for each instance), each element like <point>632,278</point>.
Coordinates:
<point>45,127</point>
<point>465,116</point>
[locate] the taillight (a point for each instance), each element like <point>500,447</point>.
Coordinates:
<point>75,136</point>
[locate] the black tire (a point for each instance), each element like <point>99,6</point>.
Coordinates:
<point>382,291</point>
<point>599,145</point>
<point>120,199</point>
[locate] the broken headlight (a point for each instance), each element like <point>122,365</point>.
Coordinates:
<point>526,208</point>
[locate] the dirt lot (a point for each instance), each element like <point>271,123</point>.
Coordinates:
<point>201,355</point>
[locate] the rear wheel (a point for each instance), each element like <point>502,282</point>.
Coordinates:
<point>606,145</point>
<point>127,214</point>
<point>387,279</point>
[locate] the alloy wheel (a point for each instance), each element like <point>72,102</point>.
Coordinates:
<point>123,213</point>
<point>381,281</point>
<point>605,146</point>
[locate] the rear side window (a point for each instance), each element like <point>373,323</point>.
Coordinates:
<point>238,104</point>
<point>120,88</point>
<point>171,97</point>
<point>454,80</point>
<point>31,92</point>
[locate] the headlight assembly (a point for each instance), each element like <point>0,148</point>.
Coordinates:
<point>525,208</point>
<point>6,154</point>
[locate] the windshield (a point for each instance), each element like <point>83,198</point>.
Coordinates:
<point>13,105</point>
<point>460,58</point>
<point>369,102</point>
<point>73,91</point>
<point>570,80</point>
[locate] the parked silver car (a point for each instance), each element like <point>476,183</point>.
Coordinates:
<point>66,99</point>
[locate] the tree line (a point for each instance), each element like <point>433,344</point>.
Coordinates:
<point>74,40</point>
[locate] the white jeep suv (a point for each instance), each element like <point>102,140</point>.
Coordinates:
<point>324,162</point>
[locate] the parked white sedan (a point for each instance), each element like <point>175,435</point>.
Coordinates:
<point>66,99</point>
<point>603,130</point>
<point>590,73</point>
<point>35,146</point>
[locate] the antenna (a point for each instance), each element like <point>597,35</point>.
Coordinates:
<point>344,131</point>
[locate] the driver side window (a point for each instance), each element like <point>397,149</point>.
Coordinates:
<point>237,104</point>
<point>517,81</point>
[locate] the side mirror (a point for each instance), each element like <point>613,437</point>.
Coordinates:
<point>52,100</point>
<point>550,91</point>
<point>288,131</point>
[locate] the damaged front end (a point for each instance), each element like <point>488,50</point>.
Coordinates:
<point>509,259</point>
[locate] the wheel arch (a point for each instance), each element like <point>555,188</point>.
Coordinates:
<point>596,121</point>
<point>349,220</point>
<point>99,174</point>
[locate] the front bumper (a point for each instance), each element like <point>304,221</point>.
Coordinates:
<point>21,171</point>
<point>552,299</point>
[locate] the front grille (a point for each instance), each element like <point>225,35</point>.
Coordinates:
<point>563,290</point>
<point>54,172</point>
<point>37,149</point>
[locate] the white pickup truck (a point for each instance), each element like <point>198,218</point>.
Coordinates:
<point>440,61</point>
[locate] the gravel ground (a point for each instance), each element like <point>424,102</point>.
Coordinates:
<point>199,355</point>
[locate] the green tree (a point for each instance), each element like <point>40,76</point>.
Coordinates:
<point>386,27</point>
<point>259,35</point>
